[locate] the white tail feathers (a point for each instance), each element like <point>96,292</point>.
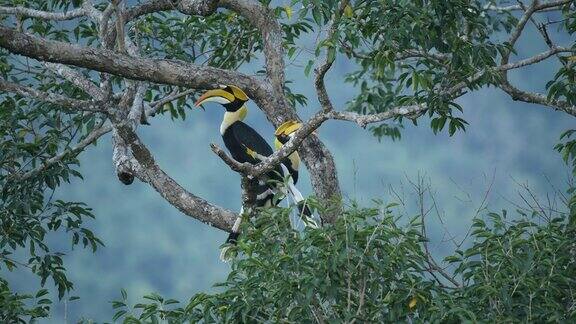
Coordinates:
<point>296,195</point>
<point>299,199</point>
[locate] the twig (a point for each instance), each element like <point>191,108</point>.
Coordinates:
<point>432,264</point>
<point>94,135</point>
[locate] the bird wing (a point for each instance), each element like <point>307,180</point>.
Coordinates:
<point>250,138</point>
<point>255,148</point>
<point>241,140</point>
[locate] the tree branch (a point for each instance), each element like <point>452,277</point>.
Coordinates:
<point>432,264</point>
<point>518,31</point>
<point>536,58</point>
<point>543,7</point>
<point>164,71</point>
<point>537,98</point>
<point>52,98</point>
<point>33,13</point>
<point>77,79</point>
<point>126,112</point>
<point>133,159</point>
<point>263,19</point>
<point>321,71</point>
<point>364,120</point>
<point>266,165</point>
<point>145,168</point>
<point>174,95</point>
<point>89,139</point>
<point>516,93</point>
<point>189,7</point>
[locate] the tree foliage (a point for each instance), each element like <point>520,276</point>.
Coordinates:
<point>32,134</point>
<point>371,266</point>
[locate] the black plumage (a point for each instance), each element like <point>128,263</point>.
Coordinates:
<point>240,138</point>
<point>241,141</point>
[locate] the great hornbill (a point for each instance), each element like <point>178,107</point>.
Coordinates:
<point>282,135</point>
<point>245,145</point>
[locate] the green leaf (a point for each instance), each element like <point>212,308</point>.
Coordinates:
<point>331,54</point>
<point>119,314</point>
<point>308,68</point>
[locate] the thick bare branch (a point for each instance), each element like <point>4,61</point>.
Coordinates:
<point>552,4</point>
<point>124,162</point>
<point>33,13</point>
<point>189,7</point>
<point>122,158</point>
<point>137,108</point>
<point>77,79</point>
<point>172,72</point>
<point>132,159</point>
<point>263,19</point>
<point>148,8</point>
<point>145,168</point>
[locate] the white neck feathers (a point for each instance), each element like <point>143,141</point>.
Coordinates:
<point>232,117</point>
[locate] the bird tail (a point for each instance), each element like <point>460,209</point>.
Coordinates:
<point>232,240</point>
<point>305,212</point>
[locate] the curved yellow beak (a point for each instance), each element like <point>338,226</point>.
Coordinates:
<point>287,127</point>
<point>217,95</point>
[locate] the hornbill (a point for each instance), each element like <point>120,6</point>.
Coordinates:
<point>282,135</point>
<point>245,145</point>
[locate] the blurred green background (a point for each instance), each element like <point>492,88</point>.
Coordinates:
<point>152,247</point>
